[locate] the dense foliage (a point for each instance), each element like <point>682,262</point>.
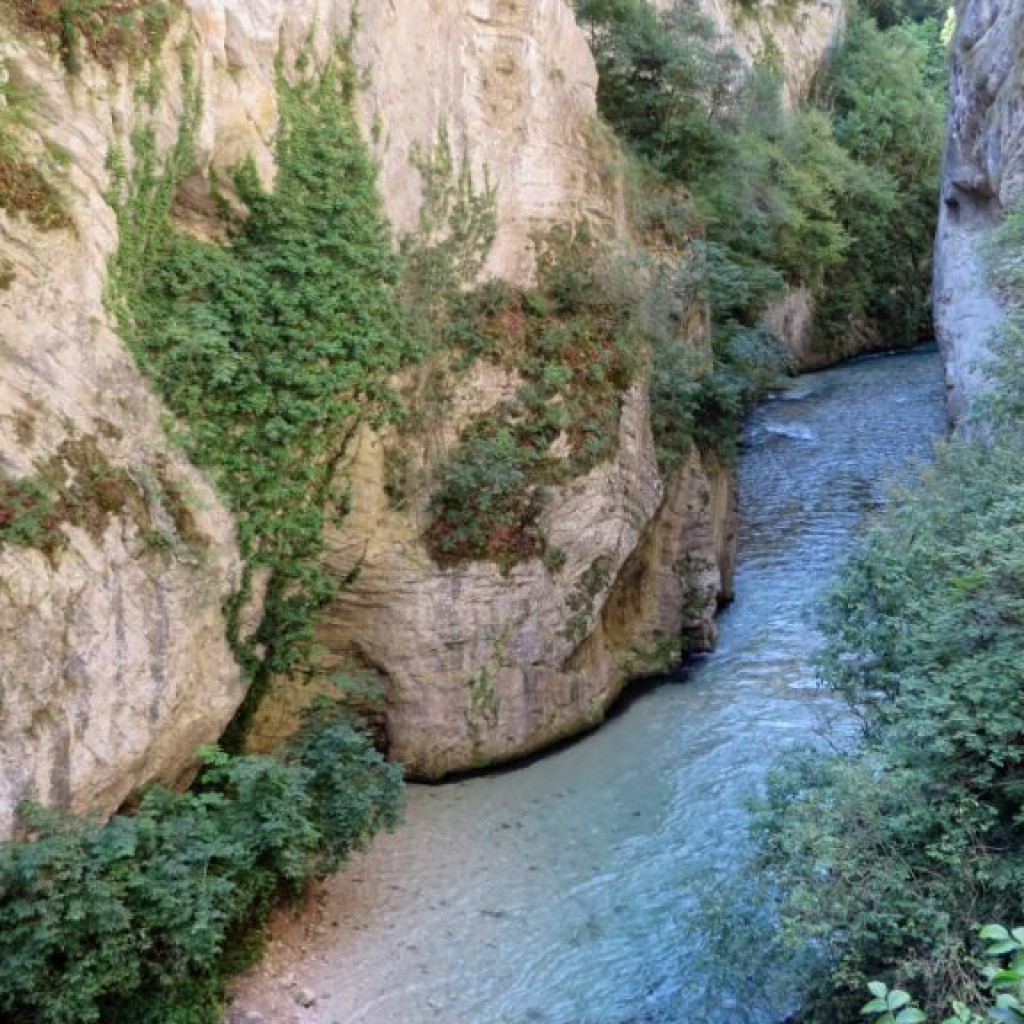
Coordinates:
<point>272,349</point>
<point>575,341</point>
<point>1002,976</point>
<point>886,94</point>
<point>887,859</point>
<point>138,921</point>
<point>839,197</point>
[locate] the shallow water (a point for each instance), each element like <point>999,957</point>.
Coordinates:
<point>565,891</point>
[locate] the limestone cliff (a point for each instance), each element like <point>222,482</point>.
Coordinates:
<point>983,173</point>
<point>114,665</point>
<point>793,37</point>
<point>481,665</point>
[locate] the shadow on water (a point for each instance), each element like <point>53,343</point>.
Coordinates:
<point>565,889</point>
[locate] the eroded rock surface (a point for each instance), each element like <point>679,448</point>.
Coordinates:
<point>983,173</point>
<point>114,664</point>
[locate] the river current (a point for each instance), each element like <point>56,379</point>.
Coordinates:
<point>567,891</point>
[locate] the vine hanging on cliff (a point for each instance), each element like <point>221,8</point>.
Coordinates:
<point>271,349</point>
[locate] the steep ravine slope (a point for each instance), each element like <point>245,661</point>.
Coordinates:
<point>484,664</point>
<point>983,174</point>
<point>114,661</point>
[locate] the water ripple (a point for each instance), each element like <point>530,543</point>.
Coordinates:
<point>564,893</point>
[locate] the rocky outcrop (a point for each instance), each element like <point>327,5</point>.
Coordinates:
<point>792,36</point>
<point>483,665</point>
<point>114,662</point>
<point>114,665</point>
<point>983,173</point>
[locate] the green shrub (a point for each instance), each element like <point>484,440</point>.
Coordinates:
<point>886,91</point>
<point>840,197</point>
<point>483,507</point>
<point>665,83</point>
<point>272,349</point>
<point>576,339</point>
<point>886,857</point>
<point>137,921</point>
<point>1003,976</point>
<point>110,31</point>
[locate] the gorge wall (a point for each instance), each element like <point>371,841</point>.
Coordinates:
<point>118,556</point>
<point>983,174</point>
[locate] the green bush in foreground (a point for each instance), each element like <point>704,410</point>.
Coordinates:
<point>881,862</point>
<point>887,858</point>
<point>1003,975</point>
<point>139,921</point>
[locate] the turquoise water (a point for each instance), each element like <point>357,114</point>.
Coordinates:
<point>567,891</point>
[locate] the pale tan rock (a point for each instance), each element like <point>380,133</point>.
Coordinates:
<point>114,665</point>
<point>113,658</point>
<point>482,666</point>
<point>795,37</point>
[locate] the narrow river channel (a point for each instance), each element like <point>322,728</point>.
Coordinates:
<point>565,891</point>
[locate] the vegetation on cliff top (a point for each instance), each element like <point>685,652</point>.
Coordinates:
<point>109,31</point>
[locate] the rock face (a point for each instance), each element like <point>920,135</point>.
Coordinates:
<point>797,35</point>
<point>983,172</point>
<point>113,659</point>
<point>114,665</point>
<point>484,666</point>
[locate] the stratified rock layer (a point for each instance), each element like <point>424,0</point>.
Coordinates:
<point>114,665</point>
<point>983,173</point>
<point>113,660</point>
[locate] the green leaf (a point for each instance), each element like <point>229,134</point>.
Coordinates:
<point>910,1015</point>
<point>1001,948</point>
<point>897,998</point>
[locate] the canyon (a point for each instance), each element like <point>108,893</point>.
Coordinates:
<point>114,659</point>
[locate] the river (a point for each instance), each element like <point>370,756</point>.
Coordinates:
<point>566,891</point>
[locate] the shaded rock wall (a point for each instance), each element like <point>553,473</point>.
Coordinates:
<point>983,172</point>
